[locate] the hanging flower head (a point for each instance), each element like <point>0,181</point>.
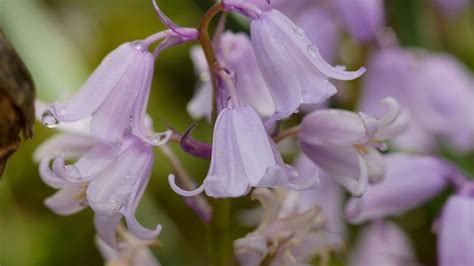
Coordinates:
<point>344,144</point>
<point>244,156</point>
<point>115,96</point>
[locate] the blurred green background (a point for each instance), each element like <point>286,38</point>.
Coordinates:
<point>61,42</point>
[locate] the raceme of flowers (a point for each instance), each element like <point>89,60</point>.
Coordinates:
<point>248,84</point>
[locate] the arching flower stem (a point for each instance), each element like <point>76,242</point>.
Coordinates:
<point>206,44</point>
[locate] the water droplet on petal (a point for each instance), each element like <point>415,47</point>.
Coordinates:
<point>128,175</point>
<point>62,111</point>
<point>49,120</point>
<point>73,171</point>
<point>312,50</point>
<point>204,76</point>
<point>299,32</point>
<point>140,45</point>
<point>157,138</point>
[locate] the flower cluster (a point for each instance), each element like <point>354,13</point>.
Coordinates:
<point>249,87</point>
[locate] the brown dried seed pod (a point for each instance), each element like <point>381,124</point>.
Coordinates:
<point>17,96</point>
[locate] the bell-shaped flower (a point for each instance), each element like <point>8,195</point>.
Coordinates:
<point>291,65</point>
<point>383,243</point>
<point>235,52</point>
<point>109,179</point>
<point>244,156</point>
<point>418,80</point>
<point>344,144</point>
<point>278,238</point>
<point>115,96</point>
<point>455,232</point>
<point>410,181</point>
<point>363,18</point>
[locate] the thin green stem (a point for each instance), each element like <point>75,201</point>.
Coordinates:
<point>219,240</point>
<point>219,244</point>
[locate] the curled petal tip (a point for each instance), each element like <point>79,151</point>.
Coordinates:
<point>182,192</point>
<point>139,231</point>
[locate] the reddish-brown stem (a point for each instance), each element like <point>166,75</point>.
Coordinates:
<point>206,44</point>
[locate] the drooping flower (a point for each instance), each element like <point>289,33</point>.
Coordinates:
<point>115,96</point>
<point>344,144</point>
<point>109,179</point>
<point>291,65</point>
<point>455,232</point>
<point>419,81</point>
<point>279,238</point>
<point>410,180</point>
<point>244,156</point>
<point>383,243</point>
<point>363,18</point>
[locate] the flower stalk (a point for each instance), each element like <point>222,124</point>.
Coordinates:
<point>219,252</point>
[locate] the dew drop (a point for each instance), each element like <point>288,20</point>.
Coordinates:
<point>73,171</point>
<point>156,139</point>
<point>139,45</point>
<point>128,175</point>
<point>312,50</point>
<point>49,120</point>
<point>299,32</point>
<point>204,76</point>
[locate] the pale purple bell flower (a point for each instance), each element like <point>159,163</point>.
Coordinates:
<point>410,180</point>
<point>344,143</point>
<point>115,95</point>
<point>109,179</point>
<point>455,232</point>
<point>363,18</point>
<point>291,65</point>
<point>244,156</point>
<point>418,80</point>
<point>383,243</point>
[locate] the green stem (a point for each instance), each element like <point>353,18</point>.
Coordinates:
<point>219,251</point>
<point>219,243</point>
